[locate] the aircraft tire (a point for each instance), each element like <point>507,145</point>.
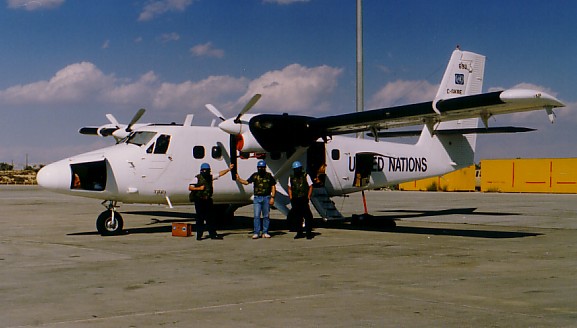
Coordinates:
<point>104,224</point>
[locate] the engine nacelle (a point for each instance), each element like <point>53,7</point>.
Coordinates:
<point>282,132</point>
<point>247,143</point>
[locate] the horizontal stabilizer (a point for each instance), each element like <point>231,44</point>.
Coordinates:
<point>416,133</point>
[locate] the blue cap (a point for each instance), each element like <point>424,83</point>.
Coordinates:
<point>204,166</point>
<point>297,164</point>
<point>261,163</point>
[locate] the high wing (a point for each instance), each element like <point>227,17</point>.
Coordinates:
<point>459,97</point>
<point>416,133</point>
<point>482,105</point>
<point>303,130</point>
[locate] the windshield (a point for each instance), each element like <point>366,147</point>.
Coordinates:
<point>140,138</point>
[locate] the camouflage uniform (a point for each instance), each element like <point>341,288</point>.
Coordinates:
<point>263,184</point>
<point>203,206</point>
<point>300,210</point>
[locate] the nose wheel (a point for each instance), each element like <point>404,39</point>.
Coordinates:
<point>110,222</point>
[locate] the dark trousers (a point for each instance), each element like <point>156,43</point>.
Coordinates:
<point>301,210</point>
<point>204,214</point>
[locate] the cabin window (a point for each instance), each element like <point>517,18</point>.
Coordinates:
<point>198,152</point>
<point>216,152</point>
<point>335,154</point>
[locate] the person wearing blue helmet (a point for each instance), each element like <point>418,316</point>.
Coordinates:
<point>300,191</point>
<point>201,195</point>
<point>264,191</point>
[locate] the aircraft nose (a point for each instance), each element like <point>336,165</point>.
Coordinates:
<point>55,176</point>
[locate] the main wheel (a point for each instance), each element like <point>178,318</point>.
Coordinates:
<point>108,227</point>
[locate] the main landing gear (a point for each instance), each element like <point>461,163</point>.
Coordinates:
<point>367,219</point>
<point>109,222</point>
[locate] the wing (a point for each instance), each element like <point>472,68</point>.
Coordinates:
<point>416,133</point>
<point>482,105</point>
<point>285,132</point>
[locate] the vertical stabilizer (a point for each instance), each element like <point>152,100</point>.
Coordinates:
<point>463,77</point>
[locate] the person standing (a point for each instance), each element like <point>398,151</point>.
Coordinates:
<point>203,201</point>
<point>264,192</point>
<point>300,191</point>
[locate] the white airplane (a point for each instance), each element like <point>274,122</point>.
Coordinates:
<point>154,164</point>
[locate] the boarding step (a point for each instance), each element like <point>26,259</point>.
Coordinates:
<point>324,205</point>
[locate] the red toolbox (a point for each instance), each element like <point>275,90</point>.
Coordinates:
<point>181,229</point>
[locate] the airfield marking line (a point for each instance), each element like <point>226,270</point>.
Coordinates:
<point>153,313</point>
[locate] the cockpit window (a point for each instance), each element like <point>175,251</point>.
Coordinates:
<point>140,138</point>
<point>162,144</point>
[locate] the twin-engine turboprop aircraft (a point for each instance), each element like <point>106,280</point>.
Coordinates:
<point>153,163</point>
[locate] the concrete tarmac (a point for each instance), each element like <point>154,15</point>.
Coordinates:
<point>454,260</point>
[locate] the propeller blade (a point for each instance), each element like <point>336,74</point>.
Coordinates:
<point>112,119</point>
<point>135,119</point>
<point>233,161</point>
<point>248,106</point>
<point>215,111</point>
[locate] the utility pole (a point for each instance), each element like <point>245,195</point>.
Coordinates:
<point>360,89</point>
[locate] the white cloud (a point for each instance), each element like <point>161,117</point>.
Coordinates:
<point>207,50</point>
<point>194,95</point>
<point>295,89</point>
<point>403,92</point>
<point>130,93</point>
<point>155,8</point>
<point>73,84</point>
<point>32,5</point>
<point>168,37</point>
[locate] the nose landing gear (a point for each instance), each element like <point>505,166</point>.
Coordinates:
<point>109,222</point>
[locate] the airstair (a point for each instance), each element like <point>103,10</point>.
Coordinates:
<point>324,205</point>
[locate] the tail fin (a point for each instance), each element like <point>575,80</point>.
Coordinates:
<point>463,77</point>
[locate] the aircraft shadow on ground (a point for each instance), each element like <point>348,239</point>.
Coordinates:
<point>161,222</point>
<point>383,223</point>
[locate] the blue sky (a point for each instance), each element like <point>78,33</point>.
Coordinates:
<point>66,63</point>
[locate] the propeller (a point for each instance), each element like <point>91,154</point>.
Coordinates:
<point>233,128</point>
<point>135,119</point>
<point>114,128</point>
<point>247,107</point>
<point>120,134</point>
<point>215,111</point>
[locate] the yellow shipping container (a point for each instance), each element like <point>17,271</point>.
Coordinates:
<point>543,175</point>
<point>460,180</point>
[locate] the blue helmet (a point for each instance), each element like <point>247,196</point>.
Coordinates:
<point>261,163</point>
<point>204,166</point>
<point>297,164</point>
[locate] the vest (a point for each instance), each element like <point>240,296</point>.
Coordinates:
<point>299,186</point>
<point>207,183</point>
<point>263,185</point>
